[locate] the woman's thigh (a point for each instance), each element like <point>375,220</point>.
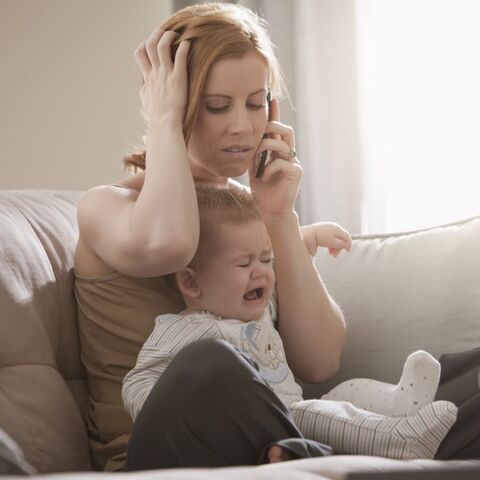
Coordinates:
<point>209,408</point>
<point>459,383</point>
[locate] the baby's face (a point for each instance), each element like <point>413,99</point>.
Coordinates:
<point>237,280</point>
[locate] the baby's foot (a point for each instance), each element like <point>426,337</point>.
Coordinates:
<point>278,454</point>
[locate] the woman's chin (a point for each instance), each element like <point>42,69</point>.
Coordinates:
<point>235,171</point>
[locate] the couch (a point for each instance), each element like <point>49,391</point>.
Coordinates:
<point>399,293</point>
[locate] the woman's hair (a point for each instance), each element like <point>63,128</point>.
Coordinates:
<point>218,205</point>
<point>216,31</point>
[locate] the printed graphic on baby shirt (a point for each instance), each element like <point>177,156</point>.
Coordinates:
<point>259,341</point>
<point>262,343</point>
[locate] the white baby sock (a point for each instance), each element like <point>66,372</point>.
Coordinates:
<point>417,387</point>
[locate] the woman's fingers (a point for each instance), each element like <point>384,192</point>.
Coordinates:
<point>156,51</point>
<point>280,138</point>
<point>164,48</point>
<point>279,131</point>
<point>291,171</point>
<point>281,149</point>
<point>151,47</point>
<point>143,62</point>
<point>164,87</point>
<point>274,116</point>
<point>181,56</point>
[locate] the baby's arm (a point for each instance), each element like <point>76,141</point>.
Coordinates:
<point>326,234</point>
<point>156,354</point>
<point>152,361</point>
<point>417,387</point>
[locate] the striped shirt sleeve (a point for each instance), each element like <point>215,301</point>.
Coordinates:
<point>170,334</point>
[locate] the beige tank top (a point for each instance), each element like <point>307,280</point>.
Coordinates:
<point>115,317</point>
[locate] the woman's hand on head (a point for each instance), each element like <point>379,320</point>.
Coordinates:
<point>277,189</point>
<point>164,91</point>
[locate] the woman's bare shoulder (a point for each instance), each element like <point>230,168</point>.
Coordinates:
<point>126,188</point>
<point>99,202</point>
<point>101,193</point>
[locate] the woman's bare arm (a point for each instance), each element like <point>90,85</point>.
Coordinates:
<point>310,323</point>
<point>151,233</point>
<point>156,231</point>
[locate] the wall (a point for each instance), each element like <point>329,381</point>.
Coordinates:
<point>69,105</point>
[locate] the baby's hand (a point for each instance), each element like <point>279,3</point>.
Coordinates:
<point>326,234</point>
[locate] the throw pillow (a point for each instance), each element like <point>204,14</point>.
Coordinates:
<point>401,292</point>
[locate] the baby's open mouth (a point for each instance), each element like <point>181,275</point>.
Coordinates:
<point>254,294</point>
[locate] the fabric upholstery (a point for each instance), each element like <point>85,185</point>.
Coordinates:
<point>404,292</point>
<point>39,345</point>
<point>12,461</point>
<point>428,279</point>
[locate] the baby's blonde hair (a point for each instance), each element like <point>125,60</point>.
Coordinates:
<point>220,205</point>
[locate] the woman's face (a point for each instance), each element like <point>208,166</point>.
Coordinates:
<point>232,117</point>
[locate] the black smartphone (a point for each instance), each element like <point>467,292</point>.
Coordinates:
<point>265,154</point>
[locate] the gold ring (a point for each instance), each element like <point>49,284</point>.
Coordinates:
<point>292,154</point>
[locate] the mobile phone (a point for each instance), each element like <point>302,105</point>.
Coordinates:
<point>265,154</point>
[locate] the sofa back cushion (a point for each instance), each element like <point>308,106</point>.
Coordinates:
<point>403,292</point>
<point>43,389</point>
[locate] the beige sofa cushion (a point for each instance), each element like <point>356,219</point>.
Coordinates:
<point>404,292</point>
<point>41,378</point>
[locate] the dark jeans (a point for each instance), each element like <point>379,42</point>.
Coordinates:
<point>459,384</point>
<point>211,408</point>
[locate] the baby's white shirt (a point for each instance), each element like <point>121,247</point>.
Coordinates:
<point>262,343</point>
<point>258,339</point>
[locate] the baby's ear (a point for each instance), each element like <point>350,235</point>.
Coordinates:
<point>187,283</point>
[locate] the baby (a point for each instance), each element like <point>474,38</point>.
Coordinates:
<point>228,290</point>
<point>229,294</point>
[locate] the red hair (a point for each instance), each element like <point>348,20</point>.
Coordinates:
<point>215,31</point>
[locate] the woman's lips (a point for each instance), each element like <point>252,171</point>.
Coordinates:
<point>238,155</point>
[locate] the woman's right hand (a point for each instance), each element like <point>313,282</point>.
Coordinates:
<point>164,91</point>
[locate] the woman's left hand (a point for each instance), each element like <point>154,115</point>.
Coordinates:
<point>277,189</point>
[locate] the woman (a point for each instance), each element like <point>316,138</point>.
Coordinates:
<point>206,72</point>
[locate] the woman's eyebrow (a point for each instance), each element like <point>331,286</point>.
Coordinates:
<point>262,90</point>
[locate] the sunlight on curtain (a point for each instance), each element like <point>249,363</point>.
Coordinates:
<point>419,111</point>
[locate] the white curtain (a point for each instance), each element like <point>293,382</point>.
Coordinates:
<point>387,104</point>
<point>418,64</point>
<point>386,110</point>
<point>315,45</point>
